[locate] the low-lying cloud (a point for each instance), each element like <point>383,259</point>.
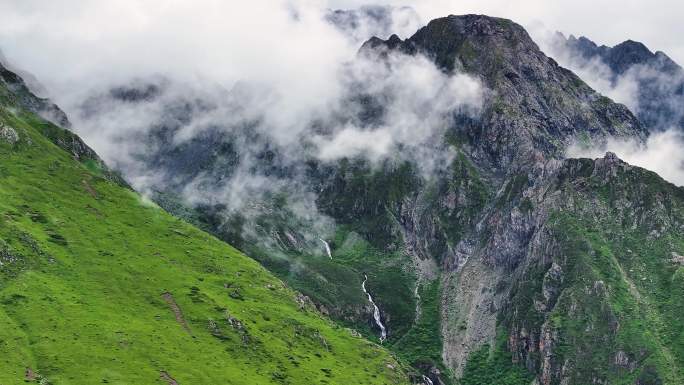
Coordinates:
<point>417,103</point>
<point>360,23</point>
<point>662,153</point>
<point>653,90</point>
<point>399,107</point>
<point>202,121</point>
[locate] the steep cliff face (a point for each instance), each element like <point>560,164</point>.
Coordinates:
<point>513,214</point>
<point>568,270</point>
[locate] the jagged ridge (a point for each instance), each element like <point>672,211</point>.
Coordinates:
<point>659,80</point>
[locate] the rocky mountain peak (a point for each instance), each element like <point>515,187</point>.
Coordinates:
<point>468,42</point>
<point>473,25</point>
<point>535,107</point>
<point>629,53</point>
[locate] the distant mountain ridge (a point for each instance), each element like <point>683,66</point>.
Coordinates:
<point>621,57</point>
<point>659,80</point>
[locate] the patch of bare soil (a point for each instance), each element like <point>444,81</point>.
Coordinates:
<point>30,375</point>
<point>167,377</point>
<point>89,189</point>
<point>168,298</point>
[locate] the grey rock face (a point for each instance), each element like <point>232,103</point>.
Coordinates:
<point>534,109</point>
<point>7,255</point>
<point>572,187</point>
<point>8,134</point>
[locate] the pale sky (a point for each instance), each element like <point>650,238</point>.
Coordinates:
<point>657,23</point>
<point>73,44</point>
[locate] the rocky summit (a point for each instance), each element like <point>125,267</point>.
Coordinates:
<point>535,108</point>
<point>502,285</point>
<point>504,263</point>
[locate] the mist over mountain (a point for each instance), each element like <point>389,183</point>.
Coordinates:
<point>472,204</point>
<point>651,84</point>
<point>382,21</point>
<point>23,91</point>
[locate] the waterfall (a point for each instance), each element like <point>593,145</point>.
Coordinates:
<point>427,380</point>
<point>419,311</point>
<point>327,247</point>
<point>376,311</point>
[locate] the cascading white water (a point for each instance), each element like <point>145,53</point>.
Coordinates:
<point>427,380</point>
<point>376,311</point>
<point>327,247</point>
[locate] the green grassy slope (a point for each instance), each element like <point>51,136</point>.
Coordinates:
<point>99,286</point>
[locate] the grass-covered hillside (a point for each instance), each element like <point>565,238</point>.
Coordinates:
<point>97,285</point>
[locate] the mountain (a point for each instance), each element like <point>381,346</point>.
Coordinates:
<point>657,79</point>
<point>100,285</point>
<point>504,281</point>
<point>505,264</point>
<point>538,106</point>
<point>15,90</point>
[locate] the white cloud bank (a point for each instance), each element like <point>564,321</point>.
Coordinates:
<point>292,64</point>
<point>418,101</point>
<point>663,153</point>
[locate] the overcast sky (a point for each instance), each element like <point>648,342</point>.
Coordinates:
<point>30,28</point>
<point>90,40</point>
<point>73,46</point>
<point>657,23</point>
